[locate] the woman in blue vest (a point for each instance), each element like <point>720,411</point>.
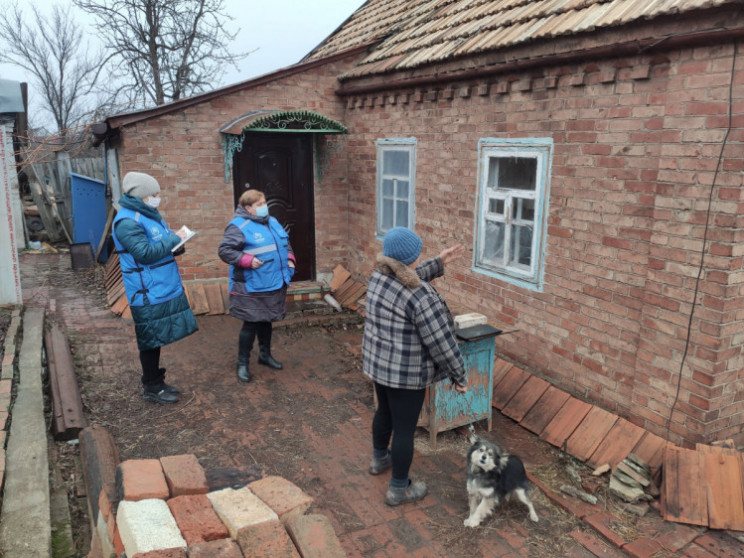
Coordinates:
<point>149,271</point>
<point>262,264</point>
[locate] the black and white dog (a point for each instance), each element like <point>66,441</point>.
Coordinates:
<point>492,475</point>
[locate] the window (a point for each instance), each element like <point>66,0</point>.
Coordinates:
<point>396,164</point>
<point>513,192</point>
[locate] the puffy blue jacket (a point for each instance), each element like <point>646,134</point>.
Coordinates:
<point>159,281</point>
<point>270,244</point>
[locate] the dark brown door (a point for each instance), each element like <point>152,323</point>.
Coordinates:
<point>280,165</point>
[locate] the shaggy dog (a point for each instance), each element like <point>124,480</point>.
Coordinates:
<point>492,475</point>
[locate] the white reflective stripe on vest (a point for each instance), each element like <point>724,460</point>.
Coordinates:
<point>261,250</point>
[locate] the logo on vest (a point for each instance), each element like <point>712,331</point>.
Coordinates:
<point>157,236</point>
<point>258,237</point>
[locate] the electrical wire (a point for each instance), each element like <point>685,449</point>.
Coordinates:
<point>705,238</point>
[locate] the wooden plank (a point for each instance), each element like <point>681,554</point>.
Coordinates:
<point>619,442</point>
<point>725,492</point>
<point>716,450</point>
<point>508,386</point>
<point>344,289</point>
<point>544,410</point>
<point>127,314</point>
<point>590,432</point>
<point>225,291</point>
<point>115,294</point>
<point>120,305</point>
<point>565,421</point>
<point>525,398</point>
<point>354,295</point>
<point>651,449</point>
<point>214,299</point>
<point>340,275</point>
<point>683,490</point>
<point>500,368</point>
<point>198,299</point>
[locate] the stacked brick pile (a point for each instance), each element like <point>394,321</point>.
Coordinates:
<point>163,509</point>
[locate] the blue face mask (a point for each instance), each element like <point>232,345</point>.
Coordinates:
<point>262,211</point>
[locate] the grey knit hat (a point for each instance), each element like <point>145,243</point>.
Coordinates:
<point>139,185</point>
<point>402,244</point>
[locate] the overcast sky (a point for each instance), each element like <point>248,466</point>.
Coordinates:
<point>280,31</point>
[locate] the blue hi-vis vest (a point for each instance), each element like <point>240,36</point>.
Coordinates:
<point>270,244</point>
<point>159,281</point>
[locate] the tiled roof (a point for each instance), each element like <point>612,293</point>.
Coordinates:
<point>412,33</point>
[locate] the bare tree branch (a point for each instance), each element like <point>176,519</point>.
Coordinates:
<point>52,51</point>
<point>169,49</point>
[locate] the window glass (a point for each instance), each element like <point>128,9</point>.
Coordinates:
<point>395,184</point>
<point>513,192</point>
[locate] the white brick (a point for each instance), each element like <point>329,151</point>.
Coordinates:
<point>240,508</point>
<point>147,525</point>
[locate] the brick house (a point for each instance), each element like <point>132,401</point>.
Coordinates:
<point>587,153</point>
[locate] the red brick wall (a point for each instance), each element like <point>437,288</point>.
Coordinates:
<point>184,151</point>
<point>636,148</point>
<point>636,142</point>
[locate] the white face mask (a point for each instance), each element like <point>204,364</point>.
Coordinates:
<point>152,201</point>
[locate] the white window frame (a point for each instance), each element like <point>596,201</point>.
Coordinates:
<point>541,149</point>
<point>386,146</point>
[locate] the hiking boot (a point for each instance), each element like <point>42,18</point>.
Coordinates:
<point>414,491</point>
<point>243,374</point>
<point>267,360</point>
<point>378,466</point>
<point>158,394</point>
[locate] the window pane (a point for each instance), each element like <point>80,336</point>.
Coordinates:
<point>493,247</point>
<point>395,162</point>
<point>387,188</point>
<point>402,188</point>
<point>493,173</point>
<point>401,214</point>
<point>496,206</point>
<point>524,209</point>
<point>517,173</point>
<point>521,246</point>
<point>387,214</point>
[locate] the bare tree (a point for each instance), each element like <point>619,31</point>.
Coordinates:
<point>52,51</point>
<point>170,49</point>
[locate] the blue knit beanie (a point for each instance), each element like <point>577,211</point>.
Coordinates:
<point>402,244</point>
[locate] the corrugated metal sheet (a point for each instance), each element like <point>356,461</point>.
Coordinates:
<point>411,33</point>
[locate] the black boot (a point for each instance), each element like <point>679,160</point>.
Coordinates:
<point>265,358</point>
<point>168,388</point>
<point>158,394</point>
<point>243,374</point>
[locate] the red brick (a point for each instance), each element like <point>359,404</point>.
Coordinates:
<point>642,547</point>
<point>267,539</point>
<point>184,475</point>
<point>221,548</point>
<point>196,518</point>
<point>167,553</point>
<point>313,535</point>
<point>593,543</point>
<point>139,479</point>
<point>282,496</point>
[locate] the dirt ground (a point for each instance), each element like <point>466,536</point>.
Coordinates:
<point>309,423</point>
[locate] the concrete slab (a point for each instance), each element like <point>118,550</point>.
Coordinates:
<point>25,522</point>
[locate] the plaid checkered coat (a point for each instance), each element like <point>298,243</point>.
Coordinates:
<point>409,340</point>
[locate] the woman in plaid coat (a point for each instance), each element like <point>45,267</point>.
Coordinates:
<point>409,344</point>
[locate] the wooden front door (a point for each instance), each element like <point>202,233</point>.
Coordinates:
<point>280,165</point>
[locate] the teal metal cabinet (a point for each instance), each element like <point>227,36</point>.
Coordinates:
<point>445,409</point>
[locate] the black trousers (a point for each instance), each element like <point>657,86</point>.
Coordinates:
<point>152,374</point>
<point>248,334</point>
<point>396,416</point>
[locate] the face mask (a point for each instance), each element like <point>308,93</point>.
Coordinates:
<point>262,211</point>
<point>153,202</point>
